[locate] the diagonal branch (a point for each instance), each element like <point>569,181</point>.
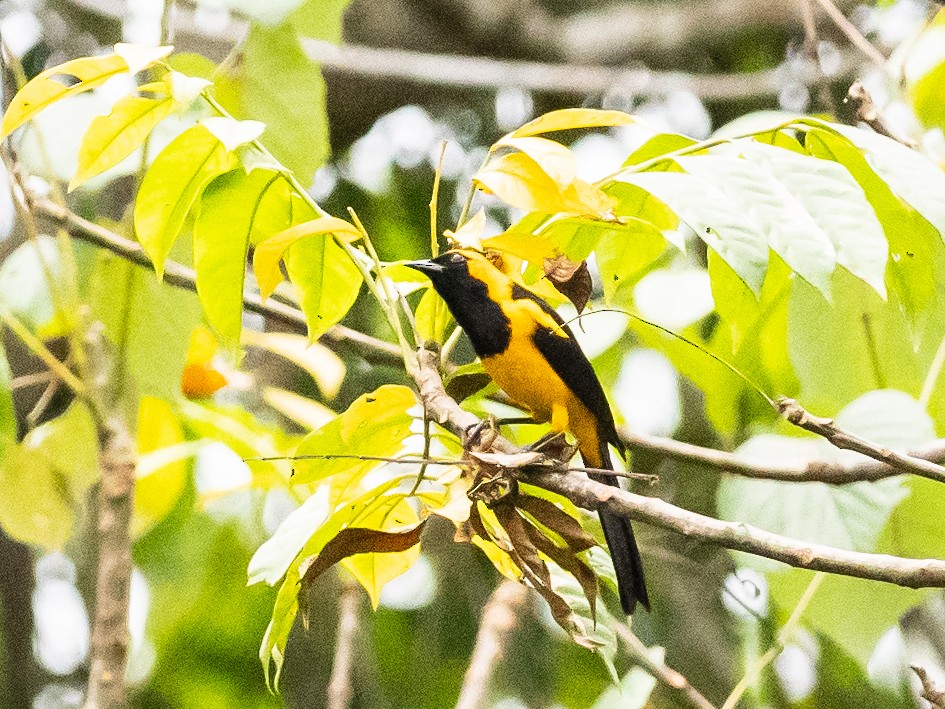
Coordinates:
<point>913,573</point>
<point>339,686</point>
<point>802,418</point>
<point>370,348</point>
<point>676,681</point>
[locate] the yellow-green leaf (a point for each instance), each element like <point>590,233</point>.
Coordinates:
<point>112,138</point>
<point>517,179</point>
<point>555,159</point>
<point>375,570</point>
<point>304,411</point>
<point>567,118</point>
<point>80,75</point>
<point>161,470</point>
<point>172,185</point>
<point>433,317</point>
<point>235,209</point>
<point>376,424</point>
<point>268,254</point>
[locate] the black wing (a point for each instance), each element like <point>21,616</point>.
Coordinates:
<point>570,363</point>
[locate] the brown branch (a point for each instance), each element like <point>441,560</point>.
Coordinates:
<point>109,650</point>
<point>931,692</point>
<point>499,618</point>
<point>829,472</point>
<point>370,348</point>
<point>800,417</point>
<point>866,111</point>
<point>853,34</point>
<point>913,573</point>
<point>339,686</point>
<point>454,70</point>
<point>676,681</point>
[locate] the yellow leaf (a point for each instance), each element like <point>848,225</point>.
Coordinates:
<point>555,159</point>
<point>305,412</point>
<point>525,245</point>
<point>112,138</point>
<point>518,180</point>
<point>374,571</point>
<point>269,253</point>
<point>74,77</point>
<point>452,502</point>
<point>326,368</point>
<point>469,235</point>
<point>158,489</point>
<point>567,118</point>
<point>172,185</point>
<point>500,560</point>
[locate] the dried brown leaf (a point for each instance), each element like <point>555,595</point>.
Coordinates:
<point>571,278</point>
<point>558,521</point>
<point>566,559</point>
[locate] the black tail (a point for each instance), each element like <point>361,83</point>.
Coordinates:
<point>623,548</point>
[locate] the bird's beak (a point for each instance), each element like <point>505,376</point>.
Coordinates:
<point>426,266</point>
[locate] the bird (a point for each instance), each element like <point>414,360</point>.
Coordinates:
<point>532,354</point>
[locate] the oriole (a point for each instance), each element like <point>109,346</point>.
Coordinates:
<point>531,353</point>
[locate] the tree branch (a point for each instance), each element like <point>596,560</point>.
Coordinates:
<point>815,471</point>
<point>800,417</point>
<point>931,692</point>
<point>676,681</point>
<point>499,618</point>
<point>109,650</point>
<point>479,72</point>
<point>339,686</point>
<point>370,348</point>
<point>913,573</point>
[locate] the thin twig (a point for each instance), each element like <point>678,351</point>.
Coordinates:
<point>865,109</point>
<point>499,618</point>
<point>830,472</point>
<point>852,33</point>
<point>370,348</point>
<point>676,681</point>
<point>38,348</point>
<point>784,635</point>
<point>799,416</point>
<point>339,686</point>
<point>913,573</point>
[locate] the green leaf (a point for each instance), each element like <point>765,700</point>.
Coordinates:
<point>149,322</point>
<point>846,516</point>
<point>24,286</point>
<point>276,83</point>
<point>7,412</point>
<point>912,239</point>
<point>843,350</point>
<point>44,479</point>
<point>624,255</point>
<point>843,683</point>
<point>88,73</point>
<point>306,530</point>
<point>112,138</point>
<point>234,208</point>
<point>837,204</point>
<point>714,217</point>
<point>321,19</point>
<point>326,282</point>
<point>286,607</point>
<point>911,175</point>
<point>658,145</point>
<point>433,317</point>
<point>172,185</point>
<point>375,424</point>
<point>789,227</point>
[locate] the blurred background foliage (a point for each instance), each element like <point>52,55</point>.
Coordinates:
<point>365,133</point>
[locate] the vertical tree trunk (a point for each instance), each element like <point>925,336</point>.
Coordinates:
<point>110,626</point>
<point>17,581</point>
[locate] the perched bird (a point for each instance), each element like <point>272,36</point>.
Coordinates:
<point>531,353</point>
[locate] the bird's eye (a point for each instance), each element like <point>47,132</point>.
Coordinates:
<point>457,258</point>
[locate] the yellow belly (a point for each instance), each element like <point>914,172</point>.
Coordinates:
<point>525,375</point>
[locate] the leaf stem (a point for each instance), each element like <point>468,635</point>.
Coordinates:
<point>931,379</point>
<point>434,203</point>
<point>37,347</point>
